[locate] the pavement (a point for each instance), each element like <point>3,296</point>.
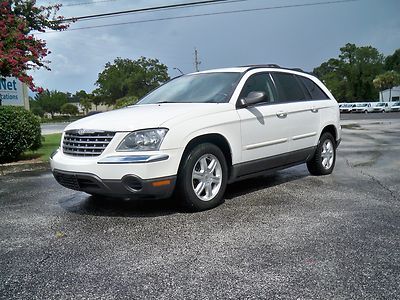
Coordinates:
<point>50,128</point>
<point>285,236</point>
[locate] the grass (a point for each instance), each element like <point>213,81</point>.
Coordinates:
<point>50,143</point>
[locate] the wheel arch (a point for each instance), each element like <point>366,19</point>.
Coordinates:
<point>332,130</point>
<point>213,138</point>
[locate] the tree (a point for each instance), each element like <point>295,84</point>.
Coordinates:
<point>125,101</point>
<point>350,76</point>
<point>69,109</point>
<point>331,73</point>
<point>97,98</point>
<point>21,51</point>
<point>387,80</point>
<point>392,62</point>
<point>51,101</point>
<point>35,108</point>
<point>86,104</point>
<point>126,77</point>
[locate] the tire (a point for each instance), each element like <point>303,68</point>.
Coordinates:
<point>324,158</point>
<point>200,185</point>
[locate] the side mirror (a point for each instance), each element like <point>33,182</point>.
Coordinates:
<point>252,98</point>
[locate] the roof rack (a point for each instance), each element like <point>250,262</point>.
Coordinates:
<point>261,66</point>
<point>250,67</point>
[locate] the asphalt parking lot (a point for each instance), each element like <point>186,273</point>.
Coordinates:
<point>285,236</point>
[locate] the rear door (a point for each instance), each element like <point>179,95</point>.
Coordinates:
<point>302,112</point>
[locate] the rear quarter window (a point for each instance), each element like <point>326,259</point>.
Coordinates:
<point>313,88</point>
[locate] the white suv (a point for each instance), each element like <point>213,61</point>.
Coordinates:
<point>201,131</point>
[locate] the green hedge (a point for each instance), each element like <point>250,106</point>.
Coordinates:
<point>19,131</point>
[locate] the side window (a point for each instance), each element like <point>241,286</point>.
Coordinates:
<point>314,89</point>
<point>288,87</point>
<point>260,82</point>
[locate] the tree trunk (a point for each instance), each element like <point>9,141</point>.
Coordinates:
<point>390,95</point>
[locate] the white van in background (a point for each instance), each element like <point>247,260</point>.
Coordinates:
<point>383,107</point>
<point>363,107</point>
<point>395,107</point>
<point>346,107</point>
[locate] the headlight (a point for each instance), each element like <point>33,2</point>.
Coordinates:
<point>143,140</point>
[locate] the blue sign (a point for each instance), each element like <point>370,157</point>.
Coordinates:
<point>11,91</point>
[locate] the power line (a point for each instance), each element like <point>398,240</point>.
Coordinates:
<point>208,14</point>
<point>123,12</point>
<point>165,9</point>
<point>87,3</point>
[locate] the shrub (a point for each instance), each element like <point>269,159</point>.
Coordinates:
<point>19,131</point>
<point>69,109</point>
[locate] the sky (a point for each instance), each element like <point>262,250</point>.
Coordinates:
<point>296,37</point>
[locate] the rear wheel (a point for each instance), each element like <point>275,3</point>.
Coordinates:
<point>323,161</point>
<point>202,178</point>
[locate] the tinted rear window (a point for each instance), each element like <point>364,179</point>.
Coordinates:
<point>288,87</point>
<point>314,89</point>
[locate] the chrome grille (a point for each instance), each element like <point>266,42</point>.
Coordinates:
<point>85,142</point>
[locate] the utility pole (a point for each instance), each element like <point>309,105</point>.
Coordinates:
<point>197,62</point>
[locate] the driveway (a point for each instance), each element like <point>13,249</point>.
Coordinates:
<point>285,236</point>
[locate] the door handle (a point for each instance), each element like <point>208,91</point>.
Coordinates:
<point>281,115</point>
<point>314,110</point>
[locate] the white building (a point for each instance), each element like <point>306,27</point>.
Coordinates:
<point>387,96</point>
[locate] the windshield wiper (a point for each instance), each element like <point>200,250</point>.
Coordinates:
<point>159,102</point>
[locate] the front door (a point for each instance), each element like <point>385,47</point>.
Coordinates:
<point>264,127</point>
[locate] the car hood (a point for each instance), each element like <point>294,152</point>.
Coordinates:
<point>146,116</point>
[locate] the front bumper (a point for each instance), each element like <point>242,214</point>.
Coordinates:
<point>129,186</point>
<point>133,175</point>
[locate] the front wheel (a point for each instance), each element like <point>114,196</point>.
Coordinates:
<point>323,161</point>
<point>202,178</point>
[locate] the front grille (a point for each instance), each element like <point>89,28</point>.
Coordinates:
<point>75,182</point>
<point>86,143</point>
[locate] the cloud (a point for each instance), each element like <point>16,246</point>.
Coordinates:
<point>296,37</point>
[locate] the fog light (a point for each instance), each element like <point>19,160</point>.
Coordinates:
<point>132,184</point>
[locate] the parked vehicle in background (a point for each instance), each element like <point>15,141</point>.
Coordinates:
<point>382,107</point>
<point>362,108</point>
<point>395,107</point>
<point>346,107</point>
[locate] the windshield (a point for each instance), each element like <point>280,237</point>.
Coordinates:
<point>396,104</point>
<point>195,88</point>
<point>361,105</point>
<point>380,104</point>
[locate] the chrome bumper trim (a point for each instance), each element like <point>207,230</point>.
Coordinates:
<point>133,159</point>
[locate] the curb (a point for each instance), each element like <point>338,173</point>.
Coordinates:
<point>23,167</point>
